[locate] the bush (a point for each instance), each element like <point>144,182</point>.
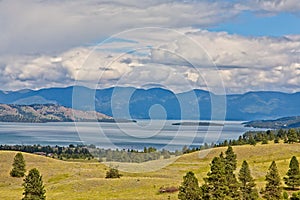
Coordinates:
<point>113,172</point>
<point>171,189</point>
<point>285,195</point>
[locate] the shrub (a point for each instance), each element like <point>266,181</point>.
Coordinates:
<point>113,172</point>
<point>171,189</point>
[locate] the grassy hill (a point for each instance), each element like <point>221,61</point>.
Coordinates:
<point>85,180</point>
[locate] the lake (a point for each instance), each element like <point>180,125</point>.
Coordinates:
<point>155,133</point>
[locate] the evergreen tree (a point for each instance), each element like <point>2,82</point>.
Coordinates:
<point>251,140</point>
<point>276,139</point>
<point>293,174</point>
<point>295,196</point>
<point>33,186</point>
<point>18,169</point>
<point>230,167</point>
<point>273,185</point>
<point>292,136</point>
<point>247,187</point>
<point>216,184</point>
<point>230,159</point>
<point>189,189</point>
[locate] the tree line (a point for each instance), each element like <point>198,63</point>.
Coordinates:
<point>64,152</point>
<point>133,156</point>
<point>91,152</point>
<point>253,137</point>
<point>222,183</point>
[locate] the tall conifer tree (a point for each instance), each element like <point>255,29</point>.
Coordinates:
<point>273,188</point>
<point>216,184</point>
<point>33,186</point>
<point>248,190</point>
<point>230,167</point>
<point>18,169</point>
<point>189,189</point>
<point>293,174</point>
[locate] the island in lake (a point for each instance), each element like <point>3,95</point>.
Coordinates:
<point>197,124</point>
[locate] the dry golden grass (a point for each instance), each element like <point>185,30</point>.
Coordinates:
<point>85,180</point>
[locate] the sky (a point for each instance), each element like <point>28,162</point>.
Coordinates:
<point>231,46</point>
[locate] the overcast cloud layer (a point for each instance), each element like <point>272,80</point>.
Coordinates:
<point>54,43</point>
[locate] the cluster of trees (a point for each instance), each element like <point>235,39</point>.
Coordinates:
<point>133,156</point>
<point>68,152</point>
<point>33,183</point>
<point>222,183</point>
<point>89,152</point>
<point>252,137</point>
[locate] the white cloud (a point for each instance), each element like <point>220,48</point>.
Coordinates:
<point>51,26</point>
<point>180,62</point>
<point>45,44</point>
<point>272,6</point>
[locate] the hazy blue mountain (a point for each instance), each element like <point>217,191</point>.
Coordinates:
<point>128,102</point>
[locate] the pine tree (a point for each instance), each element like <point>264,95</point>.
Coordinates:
<point>292,136</point>
<point>33,186</point>
<point>216,184</point>
<point>293,174</point>
<point>251,140</point>
<point>189,189</point>
<point>18,169</point>
<point>273,185</point>
<point>247,187</point>
<point>230,167</point>
<point>230,159</point>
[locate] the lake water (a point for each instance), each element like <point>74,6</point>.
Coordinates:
<point>155,133</point>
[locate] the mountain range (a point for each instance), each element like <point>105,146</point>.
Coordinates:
<point>158,103</point>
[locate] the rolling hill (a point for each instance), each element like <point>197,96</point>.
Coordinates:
<point>285,122</point>
<point>85,180</point>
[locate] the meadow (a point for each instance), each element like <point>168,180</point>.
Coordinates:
<point>73,180</point>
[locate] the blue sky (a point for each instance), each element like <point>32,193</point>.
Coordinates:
<point>254,24</point>
<point>247,45</point>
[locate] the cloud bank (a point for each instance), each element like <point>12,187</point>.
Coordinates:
<point>58,43</point>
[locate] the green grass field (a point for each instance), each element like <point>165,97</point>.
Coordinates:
<point>85,180</point>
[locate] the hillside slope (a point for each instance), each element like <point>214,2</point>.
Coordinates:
<point>46,113</point>
<point>285,122</point>
<point>85,180</point>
